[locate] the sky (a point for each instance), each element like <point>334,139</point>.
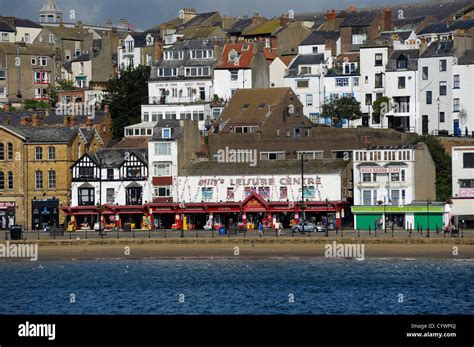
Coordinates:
<point>147,13</point>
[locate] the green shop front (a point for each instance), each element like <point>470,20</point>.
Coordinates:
<point>428,216</point>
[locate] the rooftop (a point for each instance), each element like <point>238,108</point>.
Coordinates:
<point>42,134</point>
<point>264,167</point>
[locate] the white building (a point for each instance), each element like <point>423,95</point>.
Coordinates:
<point>391,180</point>
<point>181,85</point>
<point>463,87</point>
<point>306,77</point>
<point>278,70</point>
<point>402,83</point>
<point>463,185</point>
<point>242,65</point>
<point>133,51</point>
<point>372,84</point>
<point>342,80</point>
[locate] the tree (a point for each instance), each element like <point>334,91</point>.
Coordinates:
<point>346,107</point>
<point>442,162</point>
<point>125,95</point>
<point>379,108</point>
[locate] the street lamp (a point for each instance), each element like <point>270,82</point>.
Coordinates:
<point>100,195</point>
<point>428,203</point>
<point>302,190</point>
<point>182,206</point>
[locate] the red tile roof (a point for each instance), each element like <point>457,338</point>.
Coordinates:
<point>270,53</point>
<point>286,59</point>
<point>245,56</point>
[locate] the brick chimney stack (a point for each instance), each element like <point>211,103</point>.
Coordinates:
<point>25,121</point>
<point>330,18</point>
<point>257,20</point>
<point>89,122</point>
<point>387,20</point>
<point>36,120</point>
<point>284,20</point>
<point>73,121</point>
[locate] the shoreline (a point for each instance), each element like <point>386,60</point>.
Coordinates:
<point>286,248</point>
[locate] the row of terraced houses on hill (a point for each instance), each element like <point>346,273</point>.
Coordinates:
<point>234,105</point>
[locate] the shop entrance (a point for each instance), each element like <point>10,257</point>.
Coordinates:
<point>7,214</point>
<point>395,220</point>
<point>44,212</point>
<point>135,220</point>
<point>164,220</point>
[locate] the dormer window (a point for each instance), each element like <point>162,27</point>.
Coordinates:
<point>174,55</point>
<point>202,54</point>
<point>150,40</point>
<point>233,57</point>
<point>166,133</point>
<point>402,62</point>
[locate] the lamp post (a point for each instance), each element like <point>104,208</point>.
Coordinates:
<point>182,206</point>
<point>428,203</point>
<point>439,115</point>
<point>302,191</point>
<point>100,195</point>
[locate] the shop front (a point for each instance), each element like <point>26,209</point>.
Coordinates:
<point>44,212</point>
<point>427,216</point>
<point>7,214</point>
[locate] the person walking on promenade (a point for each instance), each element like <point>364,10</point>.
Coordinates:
<point>260,229</point>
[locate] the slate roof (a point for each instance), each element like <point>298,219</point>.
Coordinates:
<point>139,38</point>
<point>439,49</point>
<point>439,28</point>
<point>20,22</point>
<point>74,34</point>
<point>411,54</point>
<point>264,167</point>
<point>305,59</point>
<point>82,57</point>
<point>359,18</point>
<point>440,10</point>
<point>132,142</point>
<point>200,18</point>
<point>467,58</point>
<point>239,26</point>
<point>316,17</point>
<point>408,23</point>
<point>320,37</point>
<point>6,28</point>
<point>43,134</point>
<point>175,130</point>
<point>51,120</point>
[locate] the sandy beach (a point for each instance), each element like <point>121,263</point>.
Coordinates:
<point>233,248</point>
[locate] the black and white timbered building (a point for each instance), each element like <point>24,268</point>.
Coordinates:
<point>111,176</point>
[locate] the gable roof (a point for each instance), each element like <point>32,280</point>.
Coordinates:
<point>115,157</point>
<point>408,23</point>
<point>245,56</point>
<point>411,54</point>
<point>442,27</point>
<point>65,33</point>
<point>320,37</point>
<point>402,35</point>
<point>174,125</point>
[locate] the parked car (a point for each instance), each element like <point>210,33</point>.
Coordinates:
<point>308,227</point>
<point>320,227</point>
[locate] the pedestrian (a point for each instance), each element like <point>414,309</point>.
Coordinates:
<point>466,132</point>
<point>280,229</point>
<point>260,229</point>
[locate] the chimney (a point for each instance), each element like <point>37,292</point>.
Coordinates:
<point>387,20</point>
<point>284,20</point>
<point>108,23</point>
<point>330,18</point>
<point>187,14</point>
<point>352,9</point>
<point>25,121</point>
<point>423,45</point>
<point>73,121</point>
<point>257,20</point>
<point>36,120</point>
<point>89,122</point>
<point>461,42</point>
<point>450,20</point>
<point>123,23</point>
<point>78,24</point>
<point>66,121</point>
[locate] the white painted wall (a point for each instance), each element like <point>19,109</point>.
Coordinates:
<point>278,70</point>
<point>460,172</point>
<point>223,85</point>
<point>465,94</point>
